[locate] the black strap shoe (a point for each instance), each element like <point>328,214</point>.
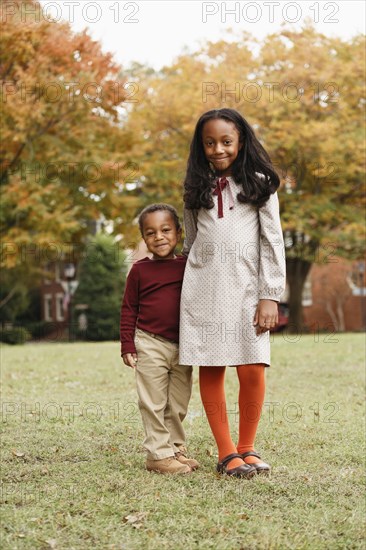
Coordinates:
<point>261,467</point>
<point>245,470</point>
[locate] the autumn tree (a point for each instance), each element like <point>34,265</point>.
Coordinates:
<point>62,155</point>
<point>313,128</point>
<point>303,94</point>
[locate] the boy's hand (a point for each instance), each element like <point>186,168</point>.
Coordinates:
<point>266,316</point>
<point>130,359</point>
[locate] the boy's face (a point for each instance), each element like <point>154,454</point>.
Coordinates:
<point>160,234</point>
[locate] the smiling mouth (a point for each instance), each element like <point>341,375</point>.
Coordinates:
<point>220,160</point>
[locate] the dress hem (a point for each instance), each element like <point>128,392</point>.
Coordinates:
<point>267,365</point>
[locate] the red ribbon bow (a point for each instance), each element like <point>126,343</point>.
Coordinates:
<point>220,186</point>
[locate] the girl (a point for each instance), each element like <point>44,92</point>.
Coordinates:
<point>234,277</point>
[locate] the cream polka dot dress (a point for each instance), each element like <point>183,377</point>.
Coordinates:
<point>233,262</point>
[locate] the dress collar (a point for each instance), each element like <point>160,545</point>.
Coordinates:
<point>221,183</point>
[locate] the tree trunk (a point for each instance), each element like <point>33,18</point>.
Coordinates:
<point>296,273</point>
<point>8,297</point>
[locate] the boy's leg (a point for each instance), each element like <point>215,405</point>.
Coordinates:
<point>152,379</point>
<point>179,393</point>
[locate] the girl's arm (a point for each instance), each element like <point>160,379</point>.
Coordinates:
<point>190,229</point>
<point>272,264</point>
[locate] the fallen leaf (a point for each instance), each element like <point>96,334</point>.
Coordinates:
<point>18,454</point>
<point>135,519</point>
<point>52,543</point>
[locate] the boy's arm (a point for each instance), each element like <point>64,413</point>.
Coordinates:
<point>129,312</point>
<point>190,229</point>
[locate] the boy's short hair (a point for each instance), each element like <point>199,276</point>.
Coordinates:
<point>159,207</point>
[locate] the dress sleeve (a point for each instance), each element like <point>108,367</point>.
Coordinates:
<point>190,228</point>
<point>272,263</point>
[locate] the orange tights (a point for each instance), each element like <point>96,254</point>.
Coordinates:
<point>251,397</point>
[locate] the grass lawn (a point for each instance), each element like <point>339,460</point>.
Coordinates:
<point>73,465</point>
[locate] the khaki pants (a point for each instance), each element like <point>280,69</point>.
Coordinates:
<point>164,389</point>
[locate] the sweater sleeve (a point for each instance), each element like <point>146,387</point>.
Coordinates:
<point>129,312</point>
<point>272,264</point>
<point>190,228</point>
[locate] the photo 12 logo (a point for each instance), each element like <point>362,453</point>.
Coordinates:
<point>90,12</point>
<point>69,92</point>
<point>68,412</point>
<point>269,92</point>
<point>254,12</point>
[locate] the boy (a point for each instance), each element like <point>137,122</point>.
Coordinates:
<point>149,341</point>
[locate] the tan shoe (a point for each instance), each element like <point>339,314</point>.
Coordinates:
<point>181,456</point>
<point>167,466</point>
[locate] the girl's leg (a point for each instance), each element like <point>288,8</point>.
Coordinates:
<point>251,397</point>
<point>212,388</point>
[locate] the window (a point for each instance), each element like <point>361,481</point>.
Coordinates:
<point>357,280</point>
<point>307,294</point>
<point>60,307</point>
<point>82,322</point>
<point>47,307</point>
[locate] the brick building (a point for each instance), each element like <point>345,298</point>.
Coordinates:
<point>335,296</point>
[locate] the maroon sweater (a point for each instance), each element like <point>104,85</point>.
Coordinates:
<point>151,300</point>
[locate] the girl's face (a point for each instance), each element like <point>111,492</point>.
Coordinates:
<point>221,144</point>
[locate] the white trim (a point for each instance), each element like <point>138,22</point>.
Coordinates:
<point>359,291</point>
<point>47,305</point>
<point>307,292</point>
<point>356,290</point>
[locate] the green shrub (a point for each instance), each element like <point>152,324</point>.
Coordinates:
<point>41,329</point>
<point>15,335</point>
<point>102,277</point>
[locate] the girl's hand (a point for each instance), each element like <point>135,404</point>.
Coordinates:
<point>266,316</point>
<point>130,359</point>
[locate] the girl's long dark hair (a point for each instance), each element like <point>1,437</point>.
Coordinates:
<point>251,161</point>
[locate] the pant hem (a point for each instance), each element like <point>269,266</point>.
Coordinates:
<point>160,456</point>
